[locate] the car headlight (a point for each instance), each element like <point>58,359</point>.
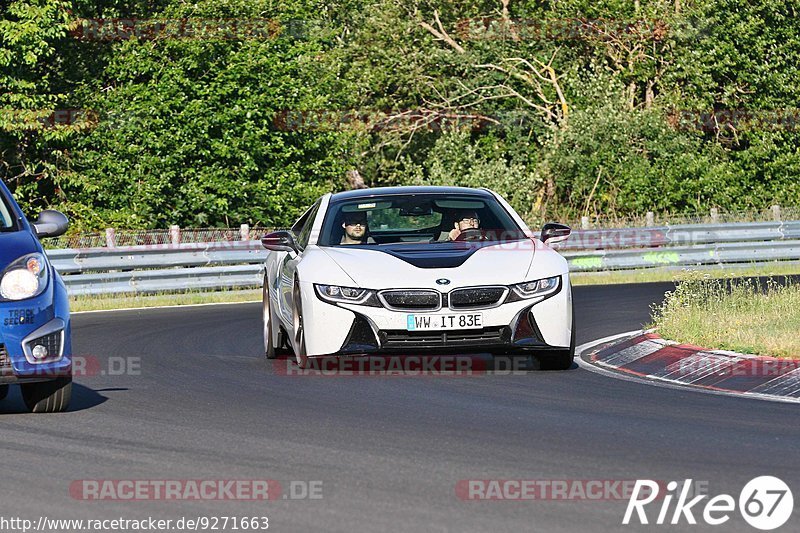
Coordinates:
<point>24,278</point>
<point>349,295</point>
<point>540,287</point>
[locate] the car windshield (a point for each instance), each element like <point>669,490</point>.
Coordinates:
<point>6,219</point>
<point>415,219</point>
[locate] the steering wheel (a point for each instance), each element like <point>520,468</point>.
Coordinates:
<point>471,234</point>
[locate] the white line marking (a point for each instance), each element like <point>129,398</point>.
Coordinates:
<point>696,367</point>
<point>583,347</point>
<point>633,353</point>
<point>781,384</point>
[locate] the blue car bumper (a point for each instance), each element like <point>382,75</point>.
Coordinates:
<point>40,321</point>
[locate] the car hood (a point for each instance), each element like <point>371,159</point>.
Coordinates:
<point>15,244</point>
<point>409,265</point>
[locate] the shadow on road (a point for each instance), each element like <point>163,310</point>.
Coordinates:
<point>82,398</point>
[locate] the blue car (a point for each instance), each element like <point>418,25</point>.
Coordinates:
<point>35,343</point>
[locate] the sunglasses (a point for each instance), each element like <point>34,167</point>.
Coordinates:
<point>363,224</point>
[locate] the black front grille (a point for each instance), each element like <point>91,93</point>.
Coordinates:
<point>412,299</point>
<point>476,297</point>
<point>5,362</point>
<point>476,338</point>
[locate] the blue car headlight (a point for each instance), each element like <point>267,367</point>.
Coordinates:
<point>24,278</point>
<point>540,287</point>
<point>346,295</point>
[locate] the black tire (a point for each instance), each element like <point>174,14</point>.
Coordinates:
<point>3,392</point>
<point>47,396</point>
<point>266,311</point>
<point>271,349</point>
<point>299,334</point>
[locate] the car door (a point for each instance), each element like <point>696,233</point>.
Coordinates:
<point>288,266</point>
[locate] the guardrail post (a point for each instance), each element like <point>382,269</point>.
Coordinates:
<point>244,231</point>
<point>650,219</point>
<point>714,215</point>
<point>776,213</point>
<point>584,222</point>
<point>175,234</point>
<point>111,238</point>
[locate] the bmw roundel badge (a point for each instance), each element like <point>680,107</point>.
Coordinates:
<point>443,281</point>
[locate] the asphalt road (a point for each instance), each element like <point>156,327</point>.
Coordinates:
<point>199,402</point>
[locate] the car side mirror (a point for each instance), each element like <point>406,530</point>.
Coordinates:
<point>51,223</point>
<point>553,233</point>
<point>279,241</point>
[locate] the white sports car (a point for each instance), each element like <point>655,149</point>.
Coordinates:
<point>415,270</point>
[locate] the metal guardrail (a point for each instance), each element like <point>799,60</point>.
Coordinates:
<point>160,268</point>
<point>238,264</point>
<point>685,234</point>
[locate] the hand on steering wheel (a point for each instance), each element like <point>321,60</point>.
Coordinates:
<point>471,234</point>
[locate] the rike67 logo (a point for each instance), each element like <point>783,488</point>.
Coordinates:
<point>766,503</point>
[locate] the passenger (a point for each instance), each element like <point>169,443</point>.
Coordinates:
<point>355,227</point>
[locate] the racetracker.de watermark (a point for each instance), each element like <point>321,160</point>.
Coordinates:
<point>36,119</point>
<point>405,366</point>
<point>557,489</point>
<point>373,121</point>
<point>93,366</point>
<point>735,120</point>
<point>725,366</point>
<point>90,366</point>
<point>194,490</point>
<point>560,29</point>
<point>122,29</point>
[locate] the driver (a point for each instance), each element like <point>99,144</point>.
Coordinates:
<point>355,228</point>
<point>464,220</point>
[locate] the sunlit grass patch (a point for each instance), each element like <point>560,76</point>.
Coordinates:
<point>742,315</point>
<point>128,301</point>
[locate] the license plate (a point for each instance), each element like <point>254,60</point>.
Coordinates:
<point>440,322</point>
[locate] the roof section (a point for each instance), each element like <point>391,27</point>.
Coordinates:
<point>383,191</point>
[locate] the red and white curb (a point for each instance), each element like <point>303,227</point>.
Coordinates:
<point>644,356</point>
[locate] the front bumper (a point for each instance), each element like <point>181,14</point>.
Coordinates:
<point>522,334</point>
<point>43,320</point>
<point>524,325</point>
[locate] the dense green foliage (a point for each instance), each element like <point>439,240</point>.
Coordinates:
<point>567,108</point>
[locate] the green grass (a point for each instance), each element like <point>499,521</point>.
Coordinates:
<point>742,315</point>
<point>653,275</point>
<point>129,301</point>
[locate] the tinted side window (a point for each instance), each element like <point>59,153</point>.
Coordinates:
<point>6,218</point>
<point>298,226</point>
<point>304,232</point>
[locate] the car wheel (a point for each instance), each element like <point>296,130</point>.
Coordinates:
<point>562,359</point>
<point>269,344</point>
<point>299,333</point>
<point>48,396</point>
<point>3,392</point>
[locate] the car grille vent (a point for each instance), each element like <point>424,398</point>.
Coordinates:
<point>476,297</point>
<point>5,362</point>
<point>411,300</point>
<point>443,339</point>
